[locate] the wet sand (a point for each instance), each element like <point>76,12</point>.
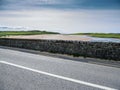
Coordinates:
<point>54,37</point>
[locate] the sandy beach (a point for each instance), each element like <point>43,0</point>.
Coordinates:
<point>54,37</point>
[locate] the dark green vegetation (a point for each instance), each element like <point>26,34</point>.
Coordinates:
<point>101,35</point>
<point>34,32</point>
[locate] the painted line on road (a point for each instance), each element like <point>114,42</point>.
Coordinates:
<point>58,76</point>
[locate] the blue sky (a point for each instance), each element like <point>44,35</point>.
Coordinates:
<point>65,16</point>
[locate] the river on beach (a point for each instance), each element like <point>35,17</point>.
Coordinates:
<point>97,39</point>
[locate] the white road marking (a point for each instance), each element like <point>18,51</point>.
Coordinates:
<point>60,77</point>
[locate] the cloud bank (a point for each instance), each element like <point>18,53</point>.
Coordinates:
<point>65,16</point>
<point>59,4</point>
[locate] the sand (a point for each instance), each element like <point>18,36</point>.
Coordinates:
<point>54,37</point>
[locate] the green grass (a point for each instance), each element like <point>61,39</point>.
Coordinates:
<point>33,32</point>
<point>101,35</point>
<point>36,32</point>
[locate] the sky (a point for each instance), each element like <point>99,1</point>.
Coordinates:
<point>64,16</point>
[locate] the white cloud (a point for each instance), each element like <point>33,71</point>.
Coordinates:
<point>64,21</point>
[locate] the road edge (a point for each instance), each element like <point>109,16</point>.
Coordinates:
<point>97,61</point>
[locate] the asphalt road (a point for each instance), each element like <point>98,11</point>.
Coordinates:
<point>26,71</point>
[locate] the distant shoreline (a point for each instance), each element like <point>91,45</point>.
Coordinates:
<point>101,35</point>
<point>36,34</point>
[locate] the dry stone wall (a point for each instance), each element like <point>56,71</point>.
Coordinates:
<point>103,50</point>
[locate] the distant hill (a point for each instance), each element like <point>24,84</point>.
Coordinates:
<point>8,28</point>
<point>32,32</point>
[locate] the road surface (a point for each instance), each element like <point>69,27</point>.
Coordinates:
<point>26,71</point>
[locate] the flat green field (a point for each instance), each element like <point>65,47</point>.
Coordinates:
<point>34,32</point>
<point>101,35</point>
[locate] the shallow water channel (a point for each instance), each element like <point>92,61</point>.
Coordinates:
<point>97,39</point>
